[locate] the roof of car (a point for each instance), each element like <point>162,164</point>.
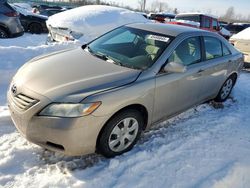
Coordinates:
<point>165,29</point>
<point>196,13</point>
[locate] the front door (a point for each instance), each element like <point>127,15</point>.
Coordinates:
<point>175,92</point>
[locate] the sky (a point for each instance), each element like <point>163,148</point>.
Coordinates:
<point>217,7</point>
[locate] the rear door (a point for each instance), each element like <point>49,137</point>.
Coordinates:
<point>217,59</point>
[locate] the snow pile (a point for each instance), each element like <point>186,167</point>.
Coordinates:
<point>25,6</point>
<point>94,20</point>
<point>243,35</point>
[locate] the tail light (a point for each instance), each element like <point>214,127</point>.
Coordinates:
<point>11,14</point>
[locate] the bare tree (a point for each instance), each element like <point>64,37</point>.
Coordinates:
<point>176,11</point>
<point>159,6</point>
<point>142,4</point>
<point>229,15</point>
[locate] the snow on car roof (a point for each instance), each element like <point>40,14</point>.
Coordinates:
<point>22,8</point>
<point>197,13</point>
<point>94,20</point>
<point>243,35</point>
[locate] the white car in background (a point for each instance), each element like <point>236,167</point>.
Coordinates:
<point>88,22</point>
<point>241,41</point>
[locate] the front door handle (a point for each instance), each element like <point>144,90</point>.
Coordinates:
<point>200,71</point>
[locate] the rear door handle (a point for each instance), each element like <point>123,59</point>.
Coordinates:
<point>200,71</point>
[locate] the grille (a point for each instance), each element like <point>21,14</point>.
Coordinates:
<point>23,102</point>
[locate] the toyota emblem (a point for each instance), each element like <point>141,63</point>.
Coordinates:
<point>14,89</point>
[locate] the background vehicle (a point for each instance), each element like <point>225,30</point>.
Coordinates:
<point>241,41</point>
<point>88,22</point>
<point>41,8</point>
<point>161,17</point>
<point>235,28</point>
<point>50,11</point>
<point>33,23</point>
<point>202,21</point>
<point>119,85</point>
<point>10,25</point>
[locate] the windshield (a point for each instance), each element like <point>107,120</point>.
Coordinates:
<point>130,47</point>
<point>194,18</point>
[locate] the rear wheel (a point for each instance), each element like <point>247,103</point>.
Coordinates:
<point>3,33</point>
<point>120,133</point>
<point>226,89</point>
<point>35,28</point>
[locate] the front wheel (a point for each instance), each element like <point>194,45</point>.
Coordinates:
<point>120,133</point>
<point>225,89</point>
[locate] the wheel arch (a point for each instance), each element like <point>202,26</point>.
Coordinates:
<point>139,107</point>
<point>234,75</point>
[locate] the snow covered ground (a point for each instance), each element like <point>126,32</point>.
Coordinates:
<point>207,146</point>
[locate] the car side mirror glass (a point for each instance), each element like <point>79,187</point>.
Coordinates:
<point>175,67</point>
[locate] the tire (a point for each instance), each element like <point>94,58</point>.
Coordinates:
<point>3,33</point>
<point>35,28</point>
<point>120,133</point>
<point>226,89</point>
<point>246,65</point>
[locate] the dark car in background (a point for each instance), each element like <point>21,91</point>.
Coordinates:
<point>50,11</point>
<point>41,8</point>
<point>10,25</point>
<point>34,23</point>
<point>235,28</point>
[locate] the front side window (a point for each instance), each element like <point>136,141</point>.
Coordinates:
<point>225,50</point>
<point>130,47</point>
<point>188,52</point>
<point>212,47</point>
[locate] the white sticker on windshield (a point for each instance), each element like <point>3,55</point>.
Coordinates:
<point>159,38</point>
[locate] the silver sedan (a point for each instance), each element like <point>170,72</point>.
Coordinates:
<point>99,98</point>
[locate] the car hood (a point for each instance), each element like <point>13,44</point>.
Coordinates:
<point>72,75</point>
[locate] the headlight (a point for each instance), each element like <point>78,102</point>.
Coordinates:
<point>69,110</point>
<point>76,35</point>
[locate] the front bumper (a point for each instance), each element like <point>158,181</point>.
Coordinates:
<point>70,136</point>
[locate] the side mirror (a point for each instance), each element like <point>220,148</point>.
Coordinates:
<point>175,67</point>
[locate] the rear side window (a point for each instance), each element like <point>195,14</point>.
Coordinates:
<point>188,52</point>
<point>225,50</point>
<point>213,48</point>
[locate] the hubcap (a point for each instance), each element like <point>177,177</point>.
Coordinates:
<point>226,89</point>
<point>123,134</point>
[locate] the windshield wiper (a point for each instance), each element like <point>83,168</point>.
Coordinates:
<point>103,56</point>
